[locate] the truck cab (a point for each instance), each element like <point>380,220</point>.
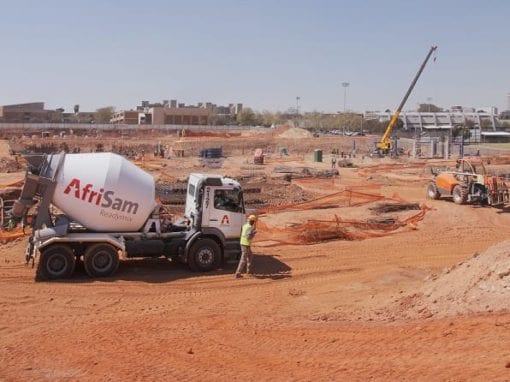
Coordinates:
<point>215,203</point>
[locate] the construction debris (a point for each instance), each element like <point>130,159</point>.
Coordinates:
<point>382,220</point>
<point>346,163</point>
<point>383,208</point>
<point>304,172</point>
<point>258,157</point>
<point>336,227</point>
<point>8,165</point>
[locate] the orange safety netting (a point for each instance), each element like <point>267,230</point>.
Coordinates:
<point>11,235</point>
<point>17,183</point>
<point>327,184</point>
<point>313,231</point>
<point>345,198</point>
<point>389,167</point>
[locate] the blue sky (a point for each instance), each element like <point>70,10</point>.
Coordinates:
<point>261,53</point>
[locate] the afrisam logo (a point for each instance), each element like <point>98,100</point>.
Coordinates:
<point>225,220</point>
<point>103,198</point>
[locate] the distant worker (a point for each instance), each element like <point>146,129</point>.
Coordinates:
<point>247,234</point>
<point>333,161</point>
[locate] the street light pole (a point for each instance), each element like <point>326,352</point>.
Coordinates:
<point>345,85</point>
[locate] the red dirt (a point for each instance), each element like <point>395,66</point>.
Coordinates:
<point>326,312</point>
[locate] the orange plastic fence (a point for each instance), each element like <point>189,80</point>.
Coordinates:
<point>336,228</point>
<point>17,183</point>
<point>7,236</point>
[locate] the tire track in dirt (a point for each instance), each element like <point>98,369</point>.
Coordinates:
<point>110,305</point>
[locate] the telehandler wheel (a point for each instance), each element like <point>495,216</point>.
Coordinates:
<point>57,262</point>
<point>204,255</point>
<point>459,194</point>
<point>432,192</point>
<point>101,260</point>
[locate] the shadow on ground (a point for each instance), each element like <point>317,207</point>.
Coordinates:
<point>162,270</point>
<point>269,267</point>
<point>503,210</point>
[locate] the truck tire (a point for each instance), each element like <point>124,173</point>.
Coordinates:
<point>101,260</point>
<point>459,194</point>
<point>204,255</point>
<point>432,192</point>
<point>56,262</point>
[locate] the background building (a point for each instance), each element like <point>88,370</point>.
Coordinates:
<point>485,118</point>
<point>27,112</point>
<point>167,112</point>
<point>34,112</point>
<point>127,117</point>
<point>170,112</point>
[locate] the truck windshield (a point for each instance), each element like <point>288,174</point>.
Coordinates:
<point>191,189</point>
<point>228,200</point>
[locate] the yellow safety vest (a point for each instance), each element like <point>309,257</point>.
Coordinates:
<point>244,235</point>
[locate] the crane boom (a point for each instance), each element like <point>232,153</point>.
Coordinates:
<point>384,145</point>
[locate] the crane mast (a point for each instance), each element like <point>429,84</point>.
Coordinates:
<point>384,145</point>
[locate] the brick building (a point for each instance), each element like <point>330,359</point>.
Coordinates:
<point>126,117</point>
<point>187,115</point>
<point>27,112</point>
<point>34,112</point>
<point>170,112</point>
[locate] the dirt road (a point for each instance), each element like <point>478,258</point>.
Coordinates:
<point>317,312</point>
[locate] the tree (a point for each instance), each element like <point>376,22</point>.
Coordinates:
<point>213,119</point>
<point>374,126</point>
<point>247,117</point>
<point>267,118</point>
<point>469,124</point>
<point>429,108</point>
<point>461,130</point>
<point>104,114</point>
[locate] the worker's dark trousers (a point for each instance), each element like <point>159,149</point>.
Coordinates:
<point>246,260</point>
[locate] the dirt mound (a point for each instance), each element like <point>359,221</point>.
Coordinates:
<point>295,132</point>
<point>480,284</point>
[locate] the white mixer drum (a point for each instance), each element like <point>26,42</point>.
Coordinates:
<point>104,192</point>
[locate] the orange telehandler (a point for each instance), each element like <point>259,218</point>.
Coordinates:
<point>466,185</point>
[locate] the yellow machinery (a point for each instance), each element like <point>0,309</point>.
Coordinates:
<point>384,145</point>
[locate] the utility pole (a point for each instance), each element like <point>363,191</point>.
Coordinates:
<point>297,104</point>
<point>345,85</point>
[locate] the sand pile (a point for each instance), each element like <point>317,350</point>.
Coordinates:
<point>295,132</point>
<point>480,284</point>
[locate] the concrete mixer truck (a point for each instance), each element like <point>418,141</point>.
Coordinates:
<point>99,206</point>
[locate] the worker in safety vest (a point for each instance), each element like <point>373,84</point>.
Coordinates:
<point>247,233</point>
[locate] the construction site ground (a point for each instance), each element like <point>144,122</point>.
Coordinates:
<point>427,300</point>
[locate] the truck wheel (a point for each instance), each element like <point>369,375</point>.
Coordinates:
<point>56,262</point>
<point>101,260</point>
<point>459,194</point>
<point>204,255</point>
<point>432,192</point>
